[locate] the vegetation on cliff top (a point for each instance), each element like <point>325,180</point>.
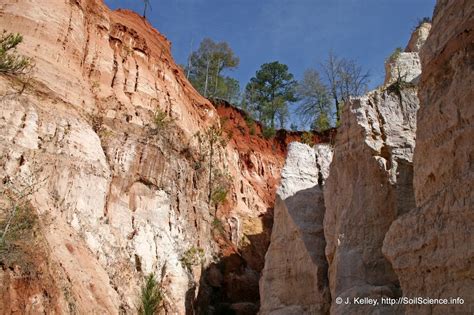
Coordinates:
<point>273,96</point>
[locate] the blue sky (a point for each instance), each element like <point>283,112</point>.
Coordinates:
<point>298,33</point>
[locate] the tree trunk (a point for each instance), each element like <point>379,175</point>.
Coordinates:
<point>207,77</point>
<point>189,60</point>
<point>338,111</point>
<point>211,154</point>
<point>217,78</point>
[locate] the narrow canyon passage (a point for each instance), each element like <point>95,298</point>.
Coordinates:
<point>124,190</point>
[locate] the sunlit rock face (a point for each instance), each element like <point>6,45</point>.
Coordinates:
<point>430,247</point>
<point>294,279</point>
<point>405,65</point>
<point>119,196</point>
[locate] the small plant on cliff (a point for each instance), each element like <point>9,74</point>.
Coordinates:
<point>161,119</point>
<point>214,139</point>
<point>192,257</point>
<point>16,228</point>
<point>399,85</point>
<point>221,183</point>
<point>10,61</point>
<point>219,195</point>
<point>395,54</point>
<point>217,225</point>
<point>18,222</point>
<point>150,297</point>
<point>420,22</point>
<point>307,138</point>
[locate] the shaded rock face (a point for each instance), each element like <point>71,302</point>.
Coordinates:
<point>431,246</point>
<point>369,186</point>
<point>294,279</point>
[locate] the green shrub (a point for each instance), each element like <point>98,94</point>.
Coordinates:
<point>252,130</point>
<point>395,54</point>
<point>322,122</point>
<point>400,83</point>
<point>192,257</point>
<point>268,132</point>
<point>220,186</point>
<point>161,119</point>
<point>250,124</point>
<point>420,22</point>
<point>16,243</point>
<point>10,61</point>
<point>307,138</point>
<point>150,297</point>
<point>217,225</point>
<point>219,195</point>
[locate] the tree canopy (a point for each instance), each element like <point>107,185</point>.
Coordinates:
<point>315,106</point>
<point>205,67</point>
<point>268,93</point>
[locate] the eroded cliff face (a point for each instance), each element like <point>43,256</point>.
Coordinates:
<point>232,283</point>
<point>431,246</point>
<point>398,201</point>
<point>294,280</point>
<point>369,186</point>
<point>119,194</point>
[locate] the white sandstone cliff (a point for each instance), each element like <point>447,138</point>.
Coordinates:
<point>294,279</point>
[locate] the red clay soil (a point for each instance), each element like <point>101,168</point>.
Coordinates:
<point>155,46</point>
<point>234,121</point>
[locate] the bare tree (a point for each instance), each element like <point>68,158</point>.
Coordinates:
<point>331,70</point>
<point>345,78</point>
<point>315,105</point>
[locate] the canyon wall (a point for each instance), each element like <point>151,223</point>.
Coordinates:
<point>112,146</point>
<point>431,247</point>
<point>398,201</point>
<point>294,280</point>
<point>369,186</point>
<point>116,143</point>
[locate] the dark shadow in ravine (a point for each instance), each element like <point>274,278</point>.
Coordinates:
<point>230,285</point>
